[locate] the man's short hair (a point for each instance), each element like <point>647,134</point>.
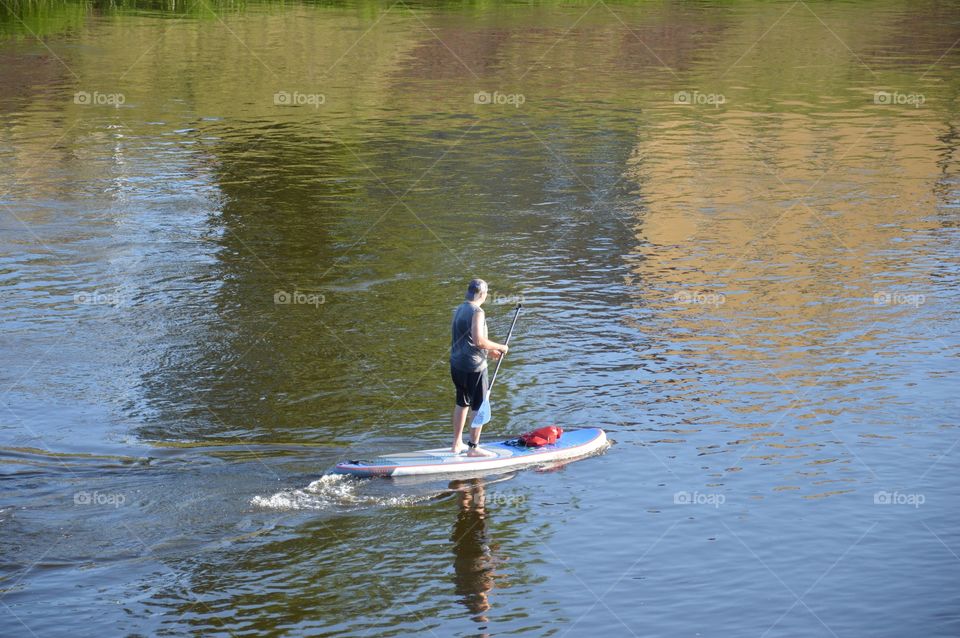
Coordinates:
<point>476,288</point>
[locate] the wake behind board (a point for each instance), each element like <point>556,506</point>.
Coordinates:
<point>573,444</point>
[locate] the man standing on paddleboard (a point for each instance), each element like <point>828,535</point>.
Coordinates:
<point>468,362</point>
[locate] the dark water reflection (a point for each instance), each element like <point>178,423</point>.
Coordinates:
<point>755,297</point>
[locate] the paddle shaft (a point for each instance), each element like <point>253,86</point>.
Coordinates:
<point>507,342</point>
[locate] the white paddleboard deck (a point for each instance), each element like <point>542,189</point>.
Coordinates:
<point>573,444</point>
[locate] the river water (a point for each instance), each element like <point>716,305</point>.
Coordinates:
<point>733,227</point>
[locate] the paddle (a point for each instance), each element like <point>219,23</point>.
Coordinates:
<point>483,414</point>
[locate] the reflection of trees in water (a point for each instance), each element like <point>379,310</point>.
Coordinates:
<point>283,192</point>
<point>948,184</point>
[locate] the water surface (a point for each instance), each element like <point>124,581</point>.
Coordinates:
<point>733,227</point>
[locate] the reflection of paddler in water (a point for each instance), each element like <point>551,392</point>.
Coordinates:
<point>473,561</point>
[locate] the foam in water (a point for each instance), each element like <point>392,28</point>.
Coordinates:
<point>333,491</point>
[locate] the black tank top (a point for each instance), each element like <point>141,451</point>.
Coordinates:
<point>464,353</point>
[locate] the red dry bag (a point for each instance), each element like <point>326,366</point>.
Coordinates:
<point>541,436</point>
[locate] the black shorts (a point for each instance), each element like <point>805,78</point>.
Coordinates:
<point>471,387</point>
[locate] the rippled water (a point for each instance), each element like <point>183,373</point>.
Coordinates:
<point>733,227</point>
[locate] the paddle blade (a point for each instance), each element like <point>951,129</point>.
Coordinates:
<point>483,414</point>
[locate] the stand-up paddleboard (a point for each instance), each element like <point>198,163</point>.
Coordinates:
<point>505,455</point>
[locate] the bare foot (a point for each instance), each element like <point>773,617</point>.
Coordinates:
<point>458,449</point>
<point>479,451</point>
